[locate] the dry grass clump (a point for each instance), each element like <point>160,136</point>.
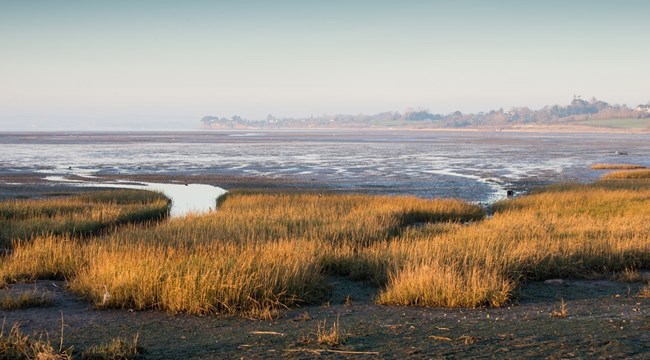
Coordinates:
<point>25,299</point>
<point>200,279</point>
<point>645,291</point>
<point>332,335</point>
<point>207,278</point>
<point>45,257</point>
<point>116,349</point>
<point>617,166</point>
<point>628,174</point>
<point>83,215</point>
<point>629,275</point>
<point>18,346</point>
<point>440,285</point>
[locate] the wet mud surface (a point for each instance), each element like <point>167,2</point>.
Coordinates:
<point>474,166</point>
<point>604,319</point>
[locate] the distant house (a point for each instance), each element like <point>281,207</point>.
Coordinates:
<point>643,108</point>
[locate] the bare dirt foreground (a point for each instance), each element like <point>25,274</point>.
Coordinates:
<point>603,319</point>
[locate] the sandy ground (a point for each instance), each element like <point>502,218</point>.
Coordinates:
<point>604,319</point>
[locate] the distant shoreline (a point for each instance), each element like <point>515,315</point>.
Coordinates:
<point>573,129</point>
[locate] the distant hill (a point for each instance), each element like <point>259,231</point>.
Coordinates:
<point>579,112</point>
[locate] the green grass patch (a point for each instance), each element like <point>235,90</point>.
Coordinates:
<point>619,123</point>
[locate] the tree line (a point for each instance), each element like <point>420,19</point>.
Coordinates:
<point>576,111</point>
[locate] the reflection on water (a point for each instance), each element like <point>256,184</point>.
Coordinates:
<point>186,198</point>
<point>190,198</point>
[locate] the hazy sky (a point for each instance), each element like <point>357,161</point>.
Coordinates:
<point>81,63</point>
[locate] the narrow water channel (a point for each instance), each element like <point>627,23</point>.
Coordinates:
<point>186,198</point>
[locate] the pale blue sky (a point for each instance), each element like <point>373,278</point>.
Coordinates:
<point>77,64</point>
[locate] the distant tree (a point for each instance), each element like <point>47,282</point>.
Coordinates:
<point>577,110</point>
<point>208,120</point>
<point>420,115</point>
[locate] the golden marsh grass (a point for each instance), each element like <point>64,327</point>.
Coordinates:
<point>257,254</point>
<point>628,174</point>
<point>260,253</point>
<point>78,215</point>
<point>616,166</point>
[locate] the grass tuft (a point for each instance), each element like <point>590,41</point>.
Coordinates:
<point>332,335</point>
<point>116,349</point>
<point>629,275</point>
<point>17,346</point>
